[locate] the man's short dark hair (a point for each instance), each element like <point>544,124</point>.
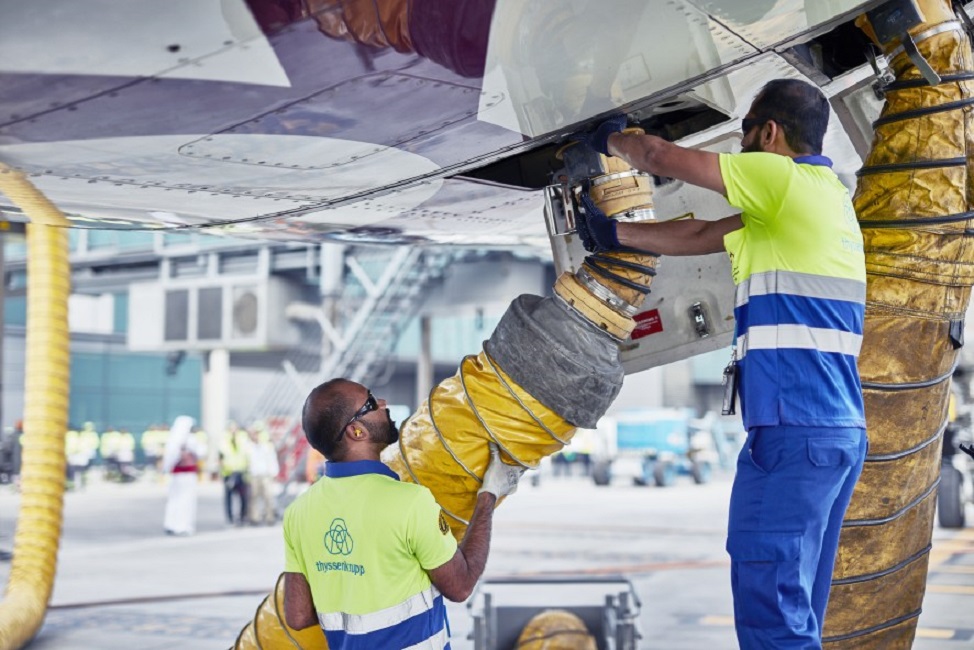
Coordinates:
<point>325,412</point>
<point>799,108</point>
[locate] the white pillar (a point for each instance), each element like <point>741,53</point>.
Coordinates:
<point>331,283</point>
<point>424,362</point>
<point>215,405</point>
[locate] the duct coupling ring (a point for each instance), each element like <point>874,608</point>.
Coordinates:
<point>603,294</point>
<point>608,178</point>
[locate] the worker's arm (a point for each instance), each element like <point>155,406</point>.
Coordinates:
<point>599,233</point>
<point>655,155</point>
<point>678,237</point>
<point>299,608</point>
<point>457,578</point>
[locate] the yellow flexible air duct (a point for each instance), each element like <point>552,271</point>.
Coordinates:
<point>45,415</point>
<point>913,201</point>
<point>268,631</point>
<point>556,629</point>
<point>444,444</point>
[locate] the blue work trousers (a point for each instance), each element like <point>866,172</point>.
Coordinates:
<point>791,491</point>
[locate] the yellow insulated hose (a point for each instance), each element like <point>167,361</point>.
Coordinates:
<point>443,445</point>
<point>268,631</point>
<point>914,205</point>
<point>45,415</point>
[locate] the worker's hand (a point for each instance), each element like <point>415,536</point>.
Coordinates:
<point>597,231</point>
<point>599,138</point>
<point>500,479</point>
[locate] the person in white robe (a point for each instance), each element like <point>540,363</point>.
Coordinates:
<point>180,461</point>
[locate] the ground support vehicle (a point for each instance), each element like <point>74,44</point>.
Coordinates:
<point>656,446</point>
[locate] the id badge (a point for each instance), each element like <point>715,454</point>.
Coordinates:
<point>729,381</point>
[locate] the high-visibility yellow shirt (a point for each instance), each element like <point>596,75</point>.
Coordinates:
<point>365,541</point>
<point>235,452</point>
<point>800,272</point>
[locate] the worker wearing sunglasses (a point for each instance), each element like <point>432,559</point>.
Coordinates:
<point>370,558</point>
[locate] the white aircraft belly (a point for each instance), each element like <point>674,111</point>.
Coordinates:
<point>217,40</point>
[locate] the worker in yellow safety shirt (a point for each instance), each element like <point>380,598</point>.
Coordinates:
<point>108,448</point>
<point>77,459</point>
<point>153,444</point>
<point>262,474</point>
<point>370,558</point>
<point>234,459</point>
<point>125,454</point>
<point>796,258</point>
<point>90,441</point>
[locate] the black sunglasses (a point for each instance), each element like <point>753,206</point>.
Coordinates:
<point>370,405</point>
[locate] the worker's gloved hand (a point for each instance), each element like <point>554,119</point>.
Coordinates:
<point>599,138</point>
<point>597,231</point>
<point>500,479</point>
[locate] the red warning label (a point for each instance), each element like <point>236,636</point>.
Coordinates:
<point>648,322</point>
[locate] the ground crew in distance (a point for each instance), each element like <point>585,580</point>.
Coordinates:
<point>367,557</point>
<point>234,460</point>
<point>797,260</point>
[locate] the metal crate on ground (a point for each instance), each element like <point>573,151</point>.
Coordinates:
<point>502,607</point>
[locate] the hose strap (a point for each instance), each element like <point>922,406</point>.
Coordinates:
<point>885,572</point>
<point>922,112</point>
<point>609,275</point>
<point>899,455</point>
<point>920,82</point>
<point>876,628</point>
<point>854,523</point>
<point>918,164</point>
<point>921,221</point>
<point>926,383</point>
<point>942,28</point>
<point>632,266</point>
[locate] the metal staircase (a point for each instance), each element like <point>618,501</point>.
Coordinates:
<point>380,295</point>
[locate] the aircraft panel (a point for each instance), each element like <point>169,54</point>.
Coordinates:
<point>766,23</point>
<point>130,39</point>
<point>120,127</point>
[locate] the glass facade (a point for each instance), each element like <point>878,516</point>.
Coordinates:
<point>451,338</point>
<point>132,391</point>
<point>15,310</point>
<point>121,315</point>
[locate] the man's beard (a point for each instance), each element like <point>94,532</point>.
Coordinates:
<point>386,434</point>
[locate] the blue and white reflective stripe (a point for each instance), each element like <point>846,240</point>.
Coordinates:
<point>780,337</point>
<point>800,284</point>
<point>437,642</point>
<point>420,620</point>
<point>365,623</point>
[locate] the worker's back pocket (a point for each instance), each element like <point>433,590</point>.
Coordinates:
<point>766,580</point>
<point>832,452</point>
